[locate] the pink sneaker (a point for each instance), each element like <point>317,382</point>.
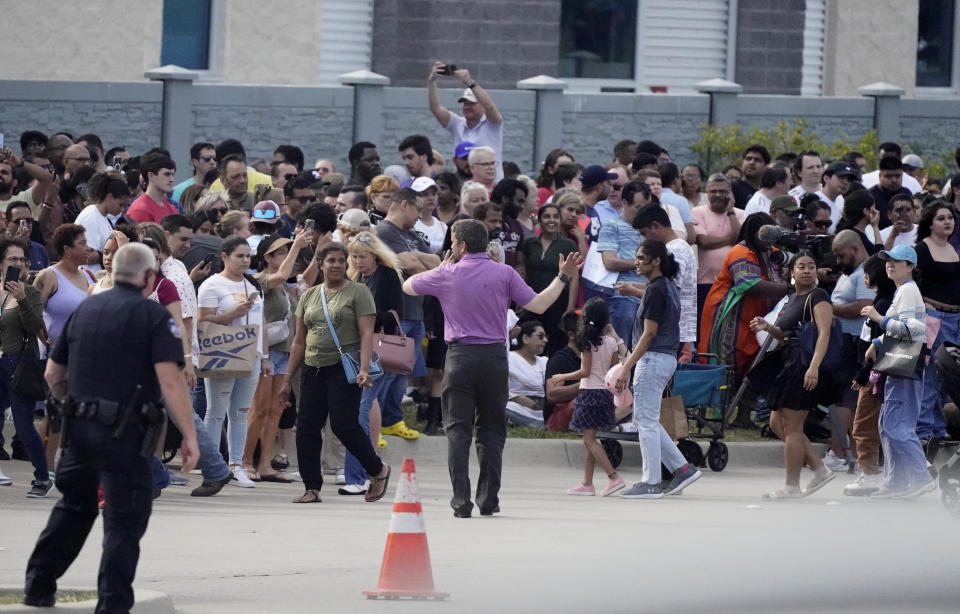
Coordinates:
<point>612,487</point>
<point>583,490</point>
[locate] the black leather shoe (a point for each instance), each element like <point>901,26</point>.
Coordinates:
<point>495,510</point>
<point>40,601</point>
<point>208,489</point>
<point>463,512</point>
<point>3,454</point>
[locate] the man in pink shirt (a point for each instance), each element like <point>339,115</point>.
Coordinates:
<point>152,206</point>
<point>717,227</point>
<point>475,293</point>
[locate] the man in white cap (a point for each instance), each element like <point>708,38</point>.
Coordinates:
<point>481,122</point>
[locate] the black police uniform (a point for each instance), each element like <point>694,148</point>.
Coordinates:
<point>110,345</point>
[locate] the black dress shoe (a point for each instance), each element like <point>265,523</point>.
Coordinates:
<point>208,489</point>
<point>462,512</point>
<point>495,510</point>
<point>40,601</point>
<point>3,454</point>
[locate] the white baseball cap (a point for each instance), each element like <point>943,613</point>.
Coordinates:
<point>422,184</point>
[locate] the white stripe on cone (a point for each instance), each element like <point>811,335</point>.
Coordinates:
<point>407,522</point>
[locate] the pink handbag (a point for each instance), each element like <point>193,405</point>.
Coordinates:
<point>397,353</point>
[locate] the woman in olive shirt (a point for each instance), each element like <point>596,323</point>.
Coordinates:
<point>324,388</point>
<point>21,317</point>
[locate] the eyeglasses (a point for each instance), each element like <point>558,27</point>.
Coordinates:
<point>485,164</point>
<point>15,259</point>
<point>208,158</point>
<point>718,192</point>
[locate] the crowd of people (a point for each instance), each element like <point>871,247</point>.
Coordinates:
<point>676,264</point>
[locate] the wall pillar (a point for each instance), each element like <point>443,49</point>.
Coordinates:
<point>886,109</point>
<point>177,113</point>
<point>723,100</point>
<point>368,100</point>
<point>548,118</point>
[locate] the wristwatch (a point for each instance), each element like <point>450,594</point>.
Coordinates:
<point>473,84</point>
<point>564,278</point>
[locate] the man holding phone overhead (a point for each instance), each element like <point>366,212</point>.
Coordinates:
<point>481,122</point>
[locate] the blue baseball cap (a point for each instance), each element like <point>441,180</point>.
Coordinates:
<point>900,252</point>
<point>594,175</point>
<point>463,149</point>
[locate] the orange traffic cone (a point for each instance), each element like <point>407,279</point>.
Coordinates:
<point>405,571</point>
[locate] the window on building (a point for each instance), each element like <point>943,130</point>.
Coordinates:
<point>598,39</point>
<point>186,33</point>
<point>936,43</point>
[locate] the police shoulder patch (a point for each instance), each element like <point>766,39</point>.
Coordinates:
<point>174,329</point>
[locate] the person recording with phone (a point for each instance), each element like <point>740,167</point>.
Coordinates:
<point>20,224</point>
<point>480,123</point>
<point>21,319</point>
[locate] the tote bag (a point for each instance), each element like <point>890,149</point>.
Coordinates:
<point>227,352</point>
<point>899,358</point>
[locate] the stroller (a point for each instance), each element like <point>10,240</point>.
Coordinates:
<point>703,388</point>
<point>947,364</point>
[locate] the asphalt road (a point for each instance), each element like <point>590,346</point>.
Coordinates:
<point>717,548</point>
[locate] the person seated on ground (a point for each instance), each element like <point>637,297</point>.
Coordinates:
<point>791,382</point>
<point>527,369</point>
<point>558,404</point>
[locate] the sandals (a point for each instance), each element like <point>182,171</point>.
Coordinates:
<point>253,474</point>
<point>818,483</point>
<point>378,487</point>
<point>310,496</point>
<point>279,462</point>
<point>279,477</point>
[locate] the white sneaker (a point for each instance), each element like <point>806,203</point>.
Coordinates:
<point>832,462</point>
<point>5,480</point>
<point>865,484</point>
<point>241,479</point>
<point>916,490</point>
<point>341,479</point>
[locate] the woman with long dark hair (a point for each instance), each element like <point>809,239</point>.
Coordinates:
<point>540,255</point>
<point>939,267</point>
<point>792,384</point>
<point>526,368</point>
<point>657,331</point>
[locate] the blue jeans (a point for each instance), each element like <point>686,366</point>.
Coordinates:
<point>396,385</point>
<point>231,397</point>
<point>931,421</point>
<point>904,463</point>
<point>353,470</point>
<point>22,418</point>
<point>623,314</point>
<point>652,373</point>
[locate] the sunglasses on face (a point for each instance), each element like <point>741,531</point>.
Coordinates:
<point>208,158</point>
<point>822,223</point>
<point>289,176</point>
<point>616,187</point>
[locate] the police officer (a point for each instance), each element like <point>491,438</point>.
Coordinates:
<point>118,354</point>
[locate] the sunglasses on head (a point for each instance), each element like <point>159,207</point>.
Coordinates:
<point>360,237</point>
<point>264,214</point>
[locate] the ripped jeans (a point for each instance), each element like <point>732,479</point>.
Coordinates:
<point>230,398</point>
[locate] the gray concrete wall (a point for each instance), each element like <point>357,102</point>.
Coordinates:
<point>594,123</point>
<point>320,119</point>
<point>126,114</point>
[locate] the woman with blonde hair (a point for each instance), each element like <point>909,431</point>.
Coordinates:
<point>191,195</point>
<point>375,265</point>
<point>214,202</point>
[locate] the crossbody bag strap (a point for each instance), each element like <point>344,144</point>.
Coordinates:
<point>326,314</point>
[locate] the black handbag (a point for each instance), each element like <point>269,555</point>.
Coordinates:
<point>28,381</point>
<point>899,358</point>
<point>808,335</point>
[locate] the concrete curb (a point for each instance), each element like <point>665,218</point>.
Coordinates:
<point>147,602</point>
<point>570,452</point>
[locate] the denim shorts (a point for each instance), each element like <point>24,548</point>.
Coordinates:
<point>278,362</point>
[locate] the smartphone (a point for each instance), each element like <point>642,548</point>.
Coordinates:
<point>25,227</point>
<point>209,258</point>
<point>448,69</point>
<point>12,274</point>
<point>309,225</point>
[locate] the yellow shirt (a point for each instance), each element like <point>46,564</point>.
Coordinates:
<point>254,178</point>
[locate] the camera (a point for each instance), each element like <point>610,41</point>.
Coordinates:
<point>448,69</point>
<point>790,243</point>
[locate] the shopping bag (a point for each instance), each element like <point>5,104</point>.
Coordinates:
<point>227,352</point>
<point>673,417</point>
<point>899,358</point>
